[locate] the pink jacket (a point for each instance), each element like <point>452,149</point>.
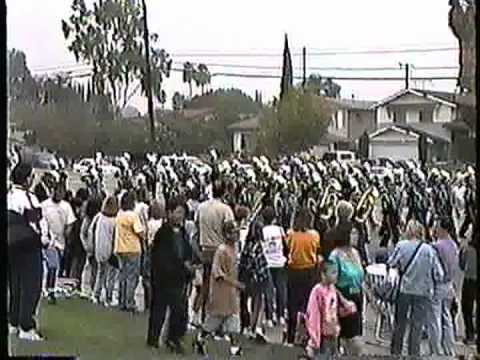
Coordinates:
<point>325,306</point>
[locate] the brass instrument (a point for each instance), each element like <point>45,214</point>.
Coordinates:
<point>366,204</point>
<point>329,199</point>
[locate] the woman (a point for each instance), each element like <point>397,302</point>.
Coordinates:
<point>349,278</point>
<point>128,237</point>
<point>420,269</point>
<point>77,252</point>
<point>170,273</point>
<point>254,273</point>
<point>89,273</point>
<point>104,236</point>
<point>303,246</point>
<point>273,238</point>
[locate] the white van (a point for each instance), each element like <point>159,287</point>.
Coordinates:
<point>339,156</point>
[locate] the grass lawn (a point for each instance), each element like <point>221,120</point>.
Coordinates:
<point>77,327</point>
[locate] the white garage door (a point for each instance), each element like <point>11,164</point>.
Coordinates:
<point>395,151</point>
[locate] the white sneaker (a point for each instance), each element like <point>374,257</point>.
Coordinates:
<point>260,335</point>
<point>248,333</point>
<point>12,330</point>
<point>196,319</point>
<point>269,324</point>
<point>282,321</point>
<point>31,335</point>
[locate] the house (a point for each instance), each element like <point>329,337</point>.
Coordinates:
<point>244,134</point>
<point>405,118</point>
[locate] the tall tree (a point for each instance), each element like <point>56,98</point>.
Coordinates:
<point>109,38</point>
<point>287,70</point>
<point>22,87</point>
<point>202,77</point>
<point>295,125</point>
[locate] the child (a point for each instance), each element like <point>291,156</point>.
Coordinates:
<point>325,306</point>
<point>223,308</point>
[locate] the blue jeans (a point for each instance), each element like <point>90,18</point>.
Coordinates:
<point>276,293</point>
<point>440,328</point>
<point>128,280</point>
<point>411,310</point>
<point>106,277</point>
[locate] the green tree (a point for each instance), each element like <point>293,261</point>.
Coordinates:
<point>22,87</point>
<point>323,86</point>
<point>109,38</point>
<point>296,124</point>
<point>202,77</point>
<point>178,101</point>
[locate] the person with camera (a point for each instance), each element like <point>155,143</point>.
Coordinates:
<point>27,234</point>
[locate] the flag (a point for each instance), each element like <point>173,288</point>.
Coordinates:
<point>287,70</point>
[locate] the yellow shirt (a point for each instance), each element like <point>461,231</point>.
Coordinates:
<point>303,248</point>
<point>128,228</point>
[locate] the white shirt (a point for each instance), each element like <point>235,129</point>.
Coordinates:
<point>273,236</point>
<point>18,202</point>
<point>59,216</point>
<point>153,226</point>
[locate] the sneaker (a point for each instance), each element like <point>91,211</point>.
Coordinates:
<point>12,330</point>
<point>94,300</point>
<point>31,335</point>
<point>269,324</point>
<point>282,321</point>
<point>260,336</point>
<point>235,351</point>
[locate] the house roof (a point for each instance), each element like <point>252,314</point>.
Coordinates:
<point>434,131</point>
<point>352,104</point>
<point>246,125</point>
<point>438,96</point>
<point>395,128</point>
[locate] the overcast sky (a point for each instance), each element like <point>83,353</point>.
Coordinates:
<point>258,27</point>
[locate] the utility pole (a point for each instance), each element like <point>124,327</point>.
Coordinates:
<point>148,73</point>
<point>304,57</point>
<point>407,73</point>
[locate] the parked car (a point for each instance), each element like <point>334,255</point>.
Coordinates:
<point>381,172</point>
<point>83,165</point>
<point>43,160</point>
<point>339,156</point>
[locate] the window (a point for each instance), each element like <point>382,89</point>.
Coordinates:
<point>394,116</point>
<point>420,116</point>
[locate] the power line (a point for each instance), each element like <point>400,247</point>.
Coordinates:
<point>68,69</point>
<point>319,53</point>
<point>272,76</point>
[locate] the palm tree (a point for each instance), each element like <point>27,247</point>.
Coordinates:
<point>188,72</point>
<point>202,77</point>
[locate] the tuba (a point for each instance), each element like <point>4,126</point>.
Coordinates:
<point>329,199</point>
<point>366,204</point>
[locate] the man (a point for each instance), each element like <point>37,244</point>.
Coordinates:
<point>27,233</point>
<point>60,218</point>
<point>419,268</point>
<point>441,324</point>
<point>211,217</point>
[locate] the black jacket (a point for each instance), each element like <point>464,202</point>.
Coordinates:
<point>21,237</point>
<point>169,253</point>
